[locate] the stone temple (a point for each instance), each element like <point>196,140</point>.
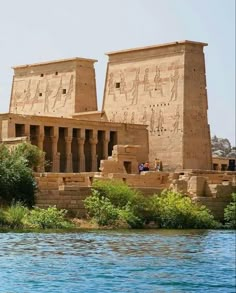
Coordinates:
<point>154,97</point>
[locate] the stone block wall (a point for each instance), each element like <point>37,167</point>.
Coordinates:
<point>68,190</point>
<point>65,191</point>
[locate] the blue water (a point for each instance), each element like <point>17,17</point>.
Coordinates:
<point>118,261</point>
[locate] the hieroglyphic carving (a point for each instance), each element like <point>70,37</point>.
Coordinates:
<point>70,90</point>
<point>135,88</point>
<point>156,125</point>
<point>48,92</point>
<point>146,82</point>
<point>152,122</point>
<point>160,121</point>
<point>27,95</point>
<point>176,119</point>
<point>36,95</point>
<point>152,81</point>
<point>174,90</point>
<point>132,117</point>
<point>111,87</point>
<point>143,119</point>
<point>123,88</point>
<point>158,81</point>
<point>15,98</point>
<point>125,120</point>
<point>58,94</point>
<point>113,119</point>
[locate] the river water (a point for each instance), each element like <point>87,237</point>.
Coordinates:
<point>118,261</point>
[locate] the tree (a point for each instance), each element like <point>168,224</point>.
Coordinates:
<point>17,182</point>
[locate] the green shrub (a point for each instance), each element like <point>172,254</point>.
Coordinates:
<point>17,182</point>
<point>116,191</point>
<point>128,216</point>
<point>14,215</point>
<point>174,210</point>
<point>114,203</point>
<point>50,218</point>
<point>32,154</point>
<point>101,209</point>
<point>141,208</point>
<point>230,213</point>
<point>2,217</point>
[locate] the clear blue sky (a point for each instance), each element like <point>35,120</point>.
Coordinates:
<point>36,31</point>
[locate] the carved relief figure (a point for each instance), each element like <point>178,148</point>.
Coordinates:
<point>47,94</point>
<point>152,121</point>
<point>36,95</point>
<point>113,119</point>
<point>144,118</point>
<point>160,121</point>
<point>15,99</point>
<point>123,88</point>
<point>135,87</point>
<point>132,118</point>
<point>146,82</point>
<point>70,90</point>
<point>27,95</point>
<point>158,82</point>
<point>111,88</point>
<point>174,90</point>
<point>58,94</point>
<point>176,120</point>
<point>125,117</point>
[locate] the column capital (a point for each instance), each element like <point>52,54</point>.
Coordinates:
<point>68,138</point>
<point>93,140</point>
<point>107,135</point>
<point>41,137</point>
<point>54,138</point>
<point>80,140</point>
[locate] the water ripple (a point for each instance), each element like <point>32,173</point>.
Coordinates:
<point>118,261</point>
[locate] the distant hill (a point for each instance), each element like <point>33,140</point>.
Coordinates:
<point>221,147</point>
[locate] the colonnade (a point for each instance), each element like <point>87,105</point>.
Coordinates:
<point>70,149</point>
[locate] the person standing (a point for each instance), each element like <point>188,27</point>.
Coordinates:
<point>157,165</point>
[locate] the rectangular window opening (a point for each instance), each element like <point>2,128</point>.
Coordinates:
<point>117,85</point>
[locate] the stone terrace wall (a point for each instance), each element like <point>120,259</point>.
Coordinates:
<point>64,190</point>
<point>68,190</point>
<point>210,188</point>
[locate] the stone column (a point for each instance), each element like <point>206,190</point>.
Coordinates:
<point>105,145</point>
<point>55,154</point>
<point>27,132</point>
<point>81,154</point>
<point>93,142</point>
<point>40,137</point>
<point>11,129</point>
<point>40,140</point>
<point>68,140</point>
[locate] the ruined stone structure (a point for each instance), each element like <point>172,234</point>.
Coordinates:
<point>73,145</point>
<point>154,97</point>
<point>154,106</point>
<point>163,87</point>
<point>210,188</point>
<point>54,105</point>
